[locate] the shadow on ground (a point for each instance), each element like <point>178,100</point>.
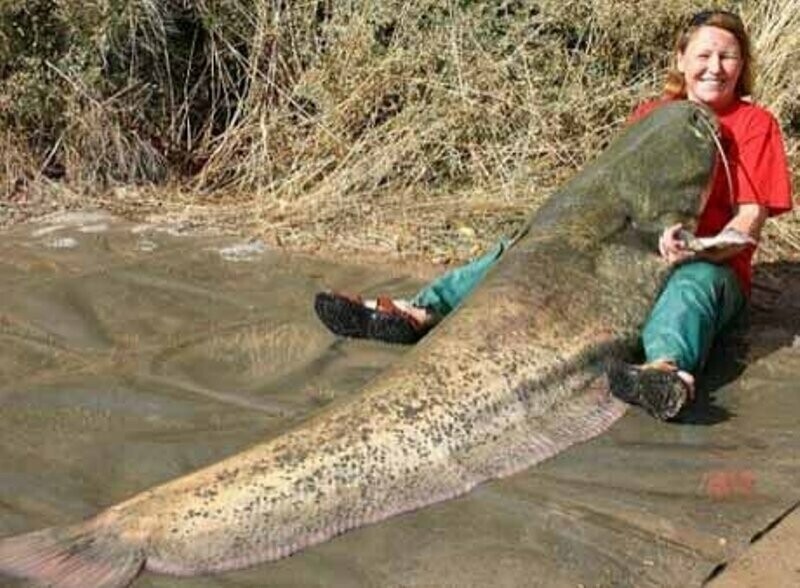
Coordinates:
<point>771,323</point>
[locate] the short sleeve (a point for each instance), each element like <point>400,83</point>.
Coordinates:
<point>762,171</point>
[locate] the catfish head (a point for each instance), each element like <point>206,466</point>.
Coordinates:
<point>669,175</point>
<point>655,173</point>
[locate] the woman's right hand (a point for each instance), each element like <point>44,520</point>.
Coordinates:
<point>672,248</point>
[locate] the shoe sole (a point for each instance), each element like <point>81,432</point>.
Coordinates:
<point>348,318</point>
<point>660,393</point>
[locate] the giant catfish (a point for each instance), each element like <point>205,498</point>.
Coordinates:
<point>511,378</point>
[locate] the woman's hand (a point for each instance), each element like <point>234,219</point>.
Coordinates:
<point>672,248</point>
<point>748,219</point>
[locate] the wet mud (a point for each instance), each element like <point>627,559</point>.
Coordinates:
<point>133,354</point>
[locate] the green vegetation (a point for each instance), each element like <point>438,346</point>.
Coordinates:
<point>392,125</point>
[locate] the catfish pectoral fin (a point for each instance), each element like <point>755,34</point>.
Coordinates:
<point>78,556</point>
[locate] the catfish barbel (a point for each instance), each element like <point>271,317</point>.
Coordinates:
<point>511,378</point>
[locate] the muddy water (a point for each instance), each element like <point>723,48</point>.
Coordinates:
<point>130,355</point>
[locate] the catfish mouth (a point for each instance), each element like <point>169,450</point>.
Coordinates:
<point>657,225</point>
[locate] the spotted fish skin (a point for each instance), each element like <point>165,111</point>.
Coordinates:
<point>511,378</point>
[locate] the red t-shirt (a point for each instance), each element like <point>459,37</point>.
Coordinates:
<point>753,144</point>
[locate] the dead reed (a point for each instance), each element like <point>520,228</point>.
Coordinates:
<point>423,128</point>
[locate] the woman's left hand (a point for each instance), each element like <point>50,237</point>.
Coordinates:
<point>672,248</point>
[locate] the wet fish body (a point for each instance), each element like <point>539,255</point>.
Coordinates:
<point>513,377</point>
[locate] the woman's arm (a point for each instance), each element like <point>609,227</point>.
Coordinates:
<point>749,219</point>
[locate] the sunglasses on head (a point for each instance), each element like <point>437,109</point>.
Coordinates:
<point>703,17</point>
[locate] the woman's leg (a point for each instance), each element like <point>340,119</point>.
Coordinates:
<point>404,321</point>
<point>699,300</point>
<point>447,291</point>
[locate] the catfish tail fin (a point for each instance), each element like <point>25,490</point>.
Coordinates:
<point>78,556</point>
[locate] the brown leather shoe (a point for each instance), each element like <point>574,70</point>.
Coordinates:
<point>347,315</point>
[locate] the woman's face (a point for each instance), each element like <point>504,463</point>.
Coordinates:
<point>711,66</point>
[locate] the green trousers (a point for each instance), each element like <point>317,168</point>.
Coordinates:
<point>699,300</point>
<point>447,291</point>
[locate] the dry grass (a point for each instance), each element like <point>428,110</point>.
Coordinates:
<point>421,128</point>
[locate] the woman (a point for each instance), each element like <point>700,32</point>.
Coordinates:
<point>712,66</point>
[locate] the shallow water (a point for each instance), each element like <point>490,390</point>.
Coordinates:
<point>138,354</point>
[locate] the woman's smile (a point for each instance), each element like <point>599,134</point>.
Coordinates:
<point>711,65</point>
